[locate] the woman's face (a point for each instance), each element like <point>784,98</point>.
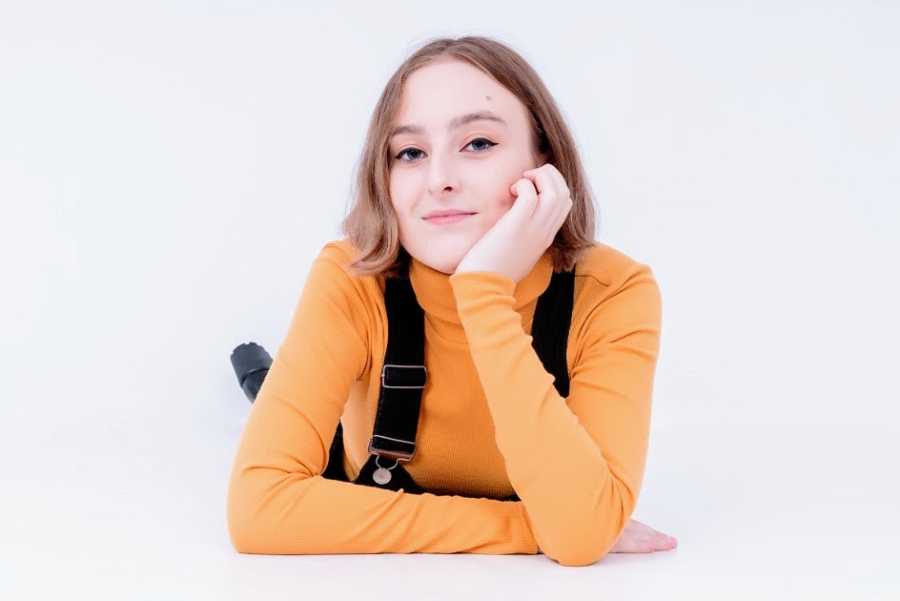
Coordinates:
<point>468,166</point>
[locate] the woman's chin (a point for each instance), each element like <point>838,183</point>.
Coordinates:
<point>442,264</point>
<point>443,258</point>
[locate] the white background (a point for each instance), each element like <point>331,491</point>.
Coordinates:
<point>168,174</point>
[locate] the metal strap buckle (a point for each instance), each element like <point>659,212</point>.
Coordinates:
<point>387,365</point>
<point>392,454</point>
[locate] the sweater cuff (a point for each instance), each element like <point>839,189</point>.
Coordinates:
<point>476,291</point>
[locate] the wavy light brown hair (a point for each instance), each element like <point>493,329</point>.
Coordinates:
<point>371,225</point>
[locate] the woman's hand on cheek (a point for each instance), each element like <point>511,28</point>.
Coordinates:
<point>518,239</point>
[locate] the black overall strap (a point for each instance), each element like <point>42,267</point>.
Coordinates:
<point>404,376</point>
<point>550,327</point>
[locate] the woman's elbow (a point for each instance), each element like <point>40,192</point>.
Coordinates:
<point>262,521</point>
<point>242,516</point>
<point>594,536</point>
<point>240,527</point>
<point>584,553</point>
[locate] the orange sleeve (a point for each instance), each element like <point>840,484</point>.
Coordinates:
<point>577,463</point>
<point>277,500</point>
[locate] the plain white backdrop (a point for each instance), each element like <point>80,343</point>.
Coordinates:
<point>168,174</point>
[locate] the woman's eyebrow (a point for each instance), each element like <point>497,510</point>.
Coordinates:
<point>454,123</point>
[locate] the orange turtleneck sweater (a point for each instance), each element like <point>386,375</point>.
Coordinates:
<point>491,424</point>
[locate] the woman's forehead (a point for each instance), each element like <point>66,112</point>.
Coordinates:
<point>439,94</point>
<point>446,116</point>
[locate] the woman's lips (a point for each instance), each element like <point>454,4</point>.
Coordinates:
<point>448,218</point>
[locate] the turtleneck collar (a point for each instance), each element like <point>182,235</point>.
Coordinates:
<point>435,294</point>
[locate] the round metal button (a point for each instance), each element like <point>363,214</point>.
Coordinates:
<point>382,476</point>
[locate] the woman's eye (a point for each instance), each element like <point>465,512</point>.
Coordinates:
<point>403,152</point>
<point>482,140</point>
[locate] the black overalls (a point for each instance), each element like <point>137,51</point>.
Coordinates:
<point>403,377</point>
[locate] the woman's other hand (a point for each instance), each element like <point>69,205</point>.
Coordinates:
<point>641,538</point>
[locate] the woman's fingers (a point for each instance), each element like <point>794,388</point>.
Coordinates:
<point>526,197</point>
<point>554,198</point>
<point>546,187</point>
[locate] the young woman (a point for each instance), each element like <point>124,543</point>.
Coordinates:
<point>464,127</point>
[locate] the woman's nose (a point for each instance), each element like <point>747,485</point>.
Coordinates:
<point>441,177</point>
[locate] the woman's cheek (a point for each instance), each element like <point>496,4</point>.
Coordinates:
<point>508,201</point>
